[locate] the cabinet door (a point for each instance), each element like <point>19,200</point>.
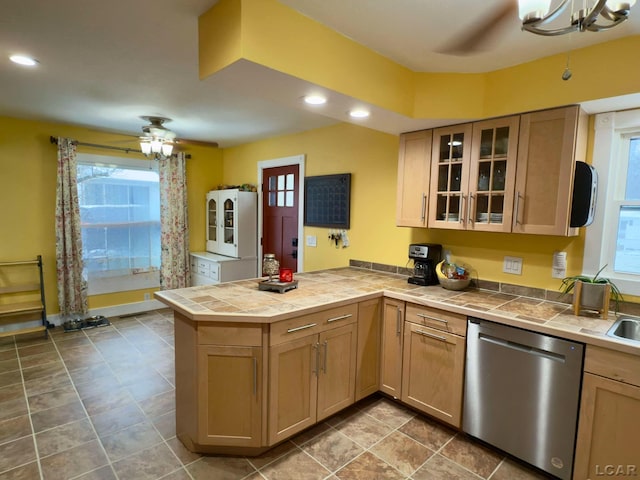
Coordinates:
<point>368,356</point>
<point>212,221</point>
<point>292,387</point>
<point>230,396</point>
<point>550,143</point>
<point>607,445</point>
<point>413,179</point>
<point>228,224</point>
<point>492,176</point>
<point>450,160</point>
<point>433,370</point>
<point>391,351</point>
<point>337,370</point>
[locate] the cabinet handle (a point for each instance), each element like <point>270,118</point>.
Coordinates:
<point>422,315</point>
<point>469,210</point>
<point>424,207</point>
<point>461,210</point>
<point>326,352</point>
<point>303,327</point>
<point>255,376</point>
<point>517,210</point>
<point>317,359</point>
<point>431,335</point>
<point>398,323</point>
<point>341,317</point>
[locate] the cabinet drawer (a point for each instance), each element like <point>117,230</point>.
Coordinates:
<point>313,323</point>
<point>612,364</point>
<point>438,319</point>
<point>230,334</point>
<point>214,271</point>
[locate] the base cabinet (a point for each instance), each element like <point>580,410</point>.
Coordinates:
<point>433,363</point>
<point>311,378</point>
<point>229,382</point>
<point>607,443</point>
<point>391,348</point>
<point>368,350</point>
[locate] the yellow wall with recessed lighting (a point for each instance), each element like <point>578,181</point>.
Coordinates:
<point>28,193</point>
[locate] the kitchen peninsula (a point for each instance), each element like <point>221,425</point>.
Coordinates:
<point>253,368</point>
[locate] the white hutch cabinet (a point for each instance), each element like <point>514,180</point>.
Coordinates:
<point>231,238</point>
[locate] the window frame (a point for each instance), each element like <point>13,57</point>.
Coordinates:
<point>128,282</point>
<point>613,131</point>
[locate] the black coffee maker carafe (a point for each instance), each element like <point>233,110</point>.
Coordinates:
<point>425,257</point>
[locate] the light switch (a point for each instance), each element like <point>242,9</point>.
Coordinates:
<point>512,265</point>
<point>312,241</point>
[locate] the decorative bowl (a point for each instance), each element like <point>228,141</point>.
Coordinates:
<point>454,283</point>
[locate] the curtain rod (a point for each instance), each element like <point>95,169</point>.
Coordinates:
<point>54,140</point>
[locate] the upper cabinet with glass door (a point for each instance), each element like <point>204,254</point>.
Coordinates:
<point>450,162</point>
<point>212,222</point>
<point>494,151</point>
<point>231,223</point>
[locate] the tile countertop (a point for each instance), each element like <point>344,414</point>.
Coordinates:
<point>241,301</point>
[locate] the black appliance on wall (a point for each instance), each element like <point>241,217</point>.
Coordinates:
<point>585,189</point>
<point>425,257</point>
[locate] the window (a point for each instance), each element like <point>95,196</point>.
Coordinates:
<point>614,237</point>
<point>120,215</point>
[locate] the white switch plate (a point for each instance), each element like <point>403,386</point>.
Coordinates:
<point>559,268</point>
<point>512,265</point>
<point>312,241</point>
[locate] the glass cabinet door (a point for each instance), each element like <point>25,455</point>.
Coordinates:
<point>449,176</point>
<point>493,174</point>
<point>212,225</point>
<point>229,221</point>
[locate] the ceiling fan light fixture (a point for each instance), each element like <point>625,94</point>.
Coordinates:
<point>167,148</point>
<point>536,17</point>
<point>145,145</point>
<point>531,10</point>
<point>158,140</point>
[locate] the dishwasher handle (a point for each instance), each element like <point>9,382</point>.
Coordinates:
<point>522,348</point>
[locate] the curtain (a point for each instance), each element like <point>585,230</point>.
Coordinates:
<point>174,226</point>
<point>72,286</point>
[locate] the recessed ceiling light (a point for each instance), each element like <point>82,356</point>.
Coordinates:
<point>23,60</point>
<point>359,113</point>
<point>315,99</point>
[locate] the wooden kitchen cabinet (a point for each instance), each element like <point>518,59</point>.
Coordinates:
<point>230,384</point>
<point>220,385</point>
<point>312,376</point>
<point>433,363</point>
<point>549,144</point>
<point>368,350</point>
<point>391,348</point>
<point>414,167</point>
<point>473,174</point>
<point>609,420</point>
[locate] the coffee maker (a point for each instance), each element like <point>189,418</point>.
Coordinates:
<point>425,257</point>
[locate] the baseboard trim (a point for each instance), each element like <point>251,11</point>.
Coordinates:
<point>115,310</point>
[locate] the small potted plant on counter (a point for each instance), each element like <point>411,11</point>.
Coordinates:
<point>592,293</point>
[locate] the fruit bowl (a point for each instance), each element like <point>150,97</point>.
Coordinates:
<point>460,280</point>
<point>454,283</point>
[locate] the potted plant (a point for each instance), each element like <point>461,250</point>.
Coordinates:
<point>592,293</point>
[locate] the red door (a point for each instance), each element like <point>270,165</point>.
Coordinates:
<point>280,187</point>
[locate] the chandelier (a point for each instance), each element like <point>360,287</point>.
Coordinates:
<point>157,141</point>
<point>536,14</point>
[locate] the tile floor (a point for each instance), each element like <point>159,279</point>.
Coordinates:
<point>99,404</point>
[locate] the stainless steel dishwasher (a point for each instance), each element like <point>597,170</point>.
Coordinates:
<point>522,393</point>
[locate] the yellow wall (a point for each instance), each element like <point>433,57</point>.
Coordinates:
<point>28,192</point>
<point>371,158</point>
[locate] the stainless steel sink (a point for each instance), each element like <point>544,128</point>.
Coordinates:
<point>626,329</point>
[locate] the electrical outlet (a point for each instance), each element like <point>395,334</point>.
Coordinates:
<point>312,241</point>
<point>512,265</point>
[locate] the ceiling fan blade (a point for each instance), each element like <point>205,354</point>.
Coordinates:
<point>481,32</point>
<point>199,143</point>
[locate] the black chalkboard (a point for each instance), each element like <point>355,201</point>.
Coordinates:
<point>327,201</point>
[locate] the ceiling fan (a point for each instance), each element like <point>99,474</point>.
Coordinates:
<point>158,138</point>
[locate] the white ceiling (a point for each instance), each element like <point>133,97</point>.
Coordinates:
<point>105,64</point>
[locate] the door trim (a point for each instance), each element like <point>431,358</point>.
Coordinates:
<point>282,162</point>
